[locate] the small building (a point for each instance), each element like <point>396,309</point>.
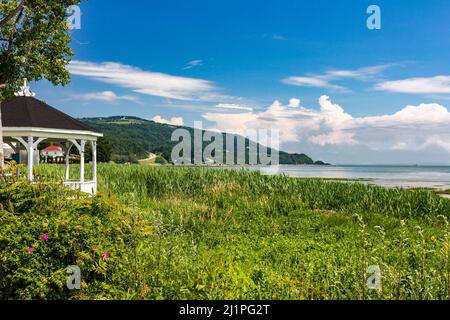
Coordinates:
<point>53,152</point>
<point>28,121</point>
<point>8,151</point>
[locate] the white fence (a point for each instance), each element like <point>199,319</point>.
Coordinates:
<point>87,186</point>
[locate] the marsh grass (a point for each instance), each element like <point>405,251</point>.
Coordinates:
<point>241,235</point>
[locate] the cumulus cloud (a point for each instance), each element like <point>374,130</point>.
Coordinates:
<point>333,115</point>
<point>146,82</point>
<point>334,137</point>
<point>414,132</point>
<point>107,96</point>
<point>434,141</point>
<point>277,116</point>
<point>175,121</point>
<point>294,103</point>
<point>432,85</point>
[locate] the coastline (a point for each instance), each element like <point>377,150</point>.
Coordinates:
<point>434,178</point>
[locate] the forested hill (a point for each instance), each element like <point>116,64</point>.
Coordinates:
<point>133,138</point>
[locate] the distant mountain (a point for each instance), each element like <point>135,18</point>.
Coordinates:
<point>134,138</point>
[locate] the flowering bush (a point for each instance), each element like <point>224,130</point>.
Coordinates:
<point>44,228</point>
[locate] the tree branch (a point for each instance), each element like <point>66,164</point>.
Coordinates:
<point>11,15</point>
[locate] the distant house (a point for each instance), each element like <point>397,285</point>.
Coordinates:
<point>52,152</point>
<point>8,151</point>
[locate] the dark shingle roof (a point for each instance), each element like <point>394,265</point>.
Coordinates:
<point>31,112</point>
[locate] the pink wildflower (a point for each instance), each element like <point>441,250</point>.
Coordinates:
<point>30,250</point>
<point>106,256</point>
<point>44,236</point>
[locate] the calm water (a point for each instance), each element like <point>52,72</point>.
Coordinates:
<point>436,177</point>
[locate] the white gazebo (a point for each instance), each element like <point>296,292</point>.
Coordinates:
<point>27,122</point>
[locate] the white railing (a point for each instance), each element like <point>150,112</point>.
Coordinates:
<point>86,187</point>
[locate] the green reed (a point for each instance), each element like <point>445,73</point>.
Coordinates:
<point>223,234</point>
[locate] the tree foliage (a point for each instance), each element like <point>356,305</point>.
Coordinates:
<point>104,150</point>
<point>34,42</point>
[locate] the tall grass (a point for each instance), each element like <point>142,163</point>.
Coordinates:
<point>241,235</point>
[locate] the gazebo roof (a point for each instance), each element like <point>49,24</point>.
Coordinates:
<point>26,116</point>
<point>29,112</point>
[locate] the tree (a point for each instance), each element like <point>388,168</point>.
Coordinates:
<point>34,44</point>
<point>104,150</point>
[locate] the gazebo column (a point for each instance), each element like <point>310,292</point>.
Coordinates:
<point>82,149</point>
<point>30,152</point>
<point>94,161</point>
<point>67,151</point>
<point>30,145</point>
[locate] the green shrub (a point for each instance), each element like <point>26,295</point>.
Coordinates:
<point>44,228</point>
<point>161,160</point>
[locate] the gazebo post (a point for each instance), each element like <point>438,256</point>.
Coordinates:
<point>68,147</point>
<point>82,148</point>
<point>30,153</point>
<point>94,161</point>
<point>30,145</point>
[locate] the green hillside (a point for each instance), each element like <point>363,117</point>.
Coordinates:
<point>133,138</point>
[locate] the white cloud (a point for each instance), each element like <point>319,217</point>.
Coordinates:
<point>276,116</point>
<point>433,85</point>
<point>325,80</point>
<point>107,96</point>
<point>146,82</point>
<point>192,64</point>
<point>414,132</point>
<point>315,82</point>
<point>175,121</point>
<point>422,115</point>
<point>279,37</point>
<point>334,137</point>
<point>332,114</point>
<point>294,103</point>
<point>233,106</point>
<point>436,140</point>
<point>359,74</point>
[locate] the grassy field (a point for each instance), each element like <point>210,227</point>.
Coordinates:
<point>240,235</point>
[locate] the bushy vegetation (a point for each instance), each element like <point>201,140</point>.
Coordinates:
<point>241,235</point>
<point>45,228</point>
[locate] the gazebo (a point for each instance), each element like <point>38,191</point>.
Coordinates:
<point>27,122</point>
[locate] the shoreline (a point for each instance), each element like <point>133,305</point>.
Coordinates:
<point>410,180</point>
<point>437,186</point>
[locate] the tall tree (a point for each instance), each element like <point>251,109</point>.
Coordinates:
<point>34,44</point>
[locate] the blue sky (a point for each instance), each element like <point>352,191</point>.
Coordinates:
<point>202,60</point>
